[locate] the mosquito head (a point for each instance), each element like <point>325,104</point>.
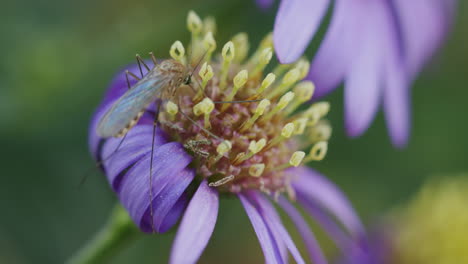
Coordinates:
<point>187,80</point>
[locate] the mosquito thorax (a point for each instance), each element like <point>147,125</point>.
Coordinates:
<point>255,142</point>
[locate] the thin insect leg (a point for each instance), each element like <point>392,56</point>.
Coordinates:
<point>101,162</point>
<point>196,124</point>
<point>140,60</point>
<point>242,101</point>
<point>133,75</point>
<point>151,168</point>
<point>153,58</point>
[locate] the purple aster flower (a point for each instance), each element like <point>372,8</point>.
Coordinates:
<point>375,47</point>
<point>249,150</point>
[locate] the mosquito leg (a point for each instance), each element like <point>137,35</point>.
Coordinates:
<point>153,58</point>
<point>151,195</point>
<point>133,75</point>
<point>141,61</point>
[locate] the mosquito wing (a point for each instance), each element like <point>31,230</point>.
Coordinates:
<point>127,107</point>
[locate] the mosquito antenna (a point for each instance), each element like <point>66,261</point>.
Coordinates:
<point>233,102</point>
<point>198,63</point>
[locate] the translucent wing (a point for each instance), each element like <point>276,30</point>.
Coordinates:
<point>131,104</point>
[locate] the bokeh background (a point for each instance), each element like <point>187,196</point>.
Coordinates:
<point>57,59</point>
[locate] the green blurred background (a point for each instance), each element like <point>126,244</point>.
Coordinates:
<point>58,58</point>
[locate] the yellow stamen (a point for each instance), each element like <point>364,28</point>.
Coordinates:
<point>206,106</point>
<point>318,151</point>
<point>194,23</point>
<point>195,26</point>
<point>209,25</point>
<point>228,54</point>
<point>316,112</point>
<point>241,43</point>
<point>239,81</point>
<point>262,106</point>
<point>209,44</point>
<point>286,133</point>
<point>288,80</point>
<point>264,59</point>
<point>294,161</point>
<point>303,66</point>
<point>282,103</point>
<point>177,52</point>
<point>172,109</point>
<point>206,73</point>
<point>300,125</point>
<point>254,148</point>
<point>256,170</point>
<point>223,148</point>
<point>304,91</point>
<point>297,158</point>
<point>320,132</point>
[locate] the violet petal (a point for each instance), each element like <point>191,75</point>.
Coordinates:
<point>319,189</point>
<point>273,221</point>
<point>134,146</point>
<point>268,244</point>
<point>264,4</point>
<point>169,160</point>
<point>295,24</point>
<point>166,199</point>
<point>313,247</point>
<point>339,46</point>
<point>363,83</point>
<point>196,226</point>
<point>423,31</point>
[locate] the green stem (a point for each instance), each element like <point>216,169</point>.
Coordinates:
<point>118,231</point>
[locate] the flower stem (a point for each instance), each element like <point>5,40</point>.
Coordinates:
<point>118,231</point>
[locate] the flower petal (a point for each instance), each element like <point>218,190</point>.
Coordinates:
<point>133,147</point>
<point>272,219</point>
<point>315,252</point>
<point>196,226</point>
<point>169,160</point>
<point>174,214</point>
<point>264,4</point>
<point>269,246</point>
<point>295,25</point>
<point>397,104</point>
<point>363,82</point>
<point>166,199</point>
<point>339,46</point>
<point>317,188</point>
<point>424,30</point>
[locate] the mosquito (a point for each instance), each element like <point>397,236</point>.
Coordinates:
<point>159,84</point>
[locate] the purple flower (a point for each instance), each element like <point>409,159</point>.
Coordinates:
<point>375,47</point>
<point>248,153</point>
